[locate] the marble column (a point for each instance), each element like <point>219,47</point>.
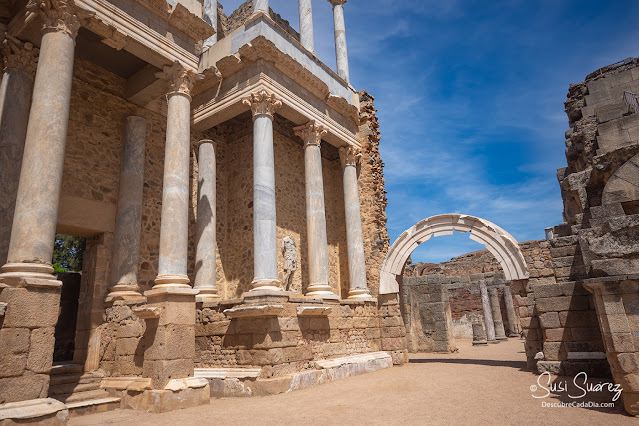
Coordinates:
<point>488,315</point>
<point>340,38</point>
<point>175,191</point>
<point>510,312</point>
<point>128,223</point>
<point>260,6</point>
<point>306,25</point>
<point>354,238</point>
<point>496,310</point>
<point>263,105</point>
<point>205,258</point>
<point>319,286</point>
<point>36,210</point>
<point>209,14</point>
<point>15,101</point>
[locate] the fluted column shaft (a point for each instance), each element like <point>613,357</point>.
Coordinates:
<point>36,210</point>
<point>126,241</point>
<point>341,52</point>
<point>488,315</point>
<point>205,258</point>
<point>354,237</point>
<point>497,318</point>
<point>15,102</point>
<point>209,14</point>
<point>260,6</point>
<point>306,25</point>
<point>510,312</point>
<point>319,286</point>
<point>172,263</point>
<point>263,106</point>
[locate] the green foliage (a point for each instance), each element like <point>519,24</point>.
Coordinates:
<point>68,253</point>
<point>57,269</point>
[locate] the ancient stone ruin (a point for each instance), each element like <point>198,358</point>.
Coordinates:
<point>205,158</point>
<point>230,189</point>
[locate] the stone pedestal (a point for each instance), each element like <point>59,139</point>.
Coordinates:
<point>318,270</point>
<point>15,95</point>
<point>354,238</point>
<point>205,258</point>
<point>488,315</point>
<point>306,25</point>
<point>510,313</point>
<point>340,38</point>
<point>496,311</point>
<point>263,105</point>
<point>169,339</point>
<point>479,335</point>
<point>27,337</point>
<point>126,245</point>
<point>616,302</point>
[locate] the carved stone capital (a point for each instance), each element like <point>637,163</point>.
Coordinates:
<point>349,156</point>
<point>59,15</point>
<point>205,141</point>
<point>337,2</point>
<point>311,133</point>
<point>262,103</point>
<point>180,78</point>
<point>20,56</point>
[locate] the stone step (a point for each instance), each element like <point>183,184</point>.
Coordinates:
<point>82,396</point>
<point>68,368</point>
<point>92,406</point>
<point>69,388</point>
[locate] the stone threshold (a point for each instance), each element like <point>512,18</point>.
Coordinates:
<point>93,406</point>
<point>240,382</point>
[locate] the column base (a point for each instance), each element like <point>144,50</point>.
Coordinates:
<point>359,294</point>
<point>27,270</point>
<point>266,284</point>
<point>321,291</point>
<point>207,294</point>
<point>172,281</point>
<point>125,293</point>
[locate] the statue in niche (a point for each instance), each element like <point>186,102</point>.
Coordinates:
<point>289,250</point>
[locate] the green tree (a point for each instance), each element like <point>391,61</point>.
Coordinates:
<point>68,252</point>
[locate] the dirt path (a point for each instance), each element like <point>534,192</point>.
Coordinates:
<point>478,385</point>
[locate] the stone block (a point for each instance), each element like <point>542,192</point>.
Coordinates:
<point>549,320</point>
<point>373,333</point>
<point>557,335</point>
<point>129,346</point>
<point>14,340</point>
<point>299,353</point>
<point>172,341</point>
<point>552,367</point>
<point>554,351</point>
<point>393,343</point>
<point>530,322</point>
<point>627,362</point>
<point>129,365</point>
<point>585,334</point>
<point>41,350</point>
<point>162,401</point>
<point>563,303</point>
<point>31,307</point>
<point>130,329</point>
<point>578,319</point>
<point>24,387</point>
<point>622,342</point>
<point>161,371</point>
<point>395,331</point>
<point>45,411</point>
<point>544,291</point>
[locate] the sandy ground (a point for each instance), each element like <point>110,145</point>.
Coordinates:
<point>478,385</point>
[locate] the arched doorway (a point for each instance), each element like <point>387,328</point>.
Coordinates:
<point>499,242</point>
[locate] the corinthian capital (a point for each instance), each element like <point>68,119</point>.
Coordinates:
<point>337,2</point>
<point>20,56</point>
<point>59,15</point>
<point>262,103</point>
<point>311,133</point>
<point>349,155</point>
<point>181,79</point>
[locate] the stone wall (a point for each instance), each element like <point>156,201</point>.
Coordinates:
<point>372,193</point>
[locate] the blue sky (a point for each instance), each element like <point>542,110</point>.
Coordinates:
<point>470,97</point>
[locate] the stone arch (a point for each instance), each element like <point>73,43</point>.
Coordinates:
<point>499,242</point>
<point>623,186</point>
